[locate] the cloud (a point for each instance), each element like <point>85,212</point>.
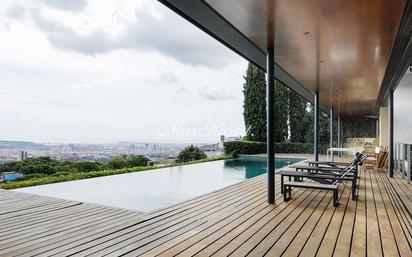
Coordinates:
<point>64,37</point>
<point>181,90</point>
<point>162,31</point>
<point>215,95</point>
<point>163,78</point>
<point>67,5</point>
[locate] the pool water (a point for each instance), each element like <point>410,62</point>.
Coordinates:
<point>154,189</point>
<point>11,176</point>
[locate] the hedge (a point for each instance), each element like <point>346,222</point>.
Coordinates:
<point>235,148</point>
<point>42,179</point>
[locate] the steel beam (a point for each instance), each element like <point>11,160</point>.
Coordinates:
<point>390,136</point>
<point>316,127</point>
<point>331,127</point>
<point>270,96</point>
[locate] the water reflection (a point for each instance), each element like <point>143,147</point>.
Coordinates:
<point>255,166</point>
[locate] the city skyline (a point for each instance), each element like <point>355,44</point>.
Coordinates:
<point>93,72</point>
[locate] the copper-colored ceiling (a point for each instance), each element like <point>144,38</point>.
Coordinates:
<point>340,47</point>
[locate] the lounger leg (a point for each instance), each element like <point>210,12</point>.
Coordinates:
<point>354,189</point>
<point>285,194</point>
<point>290,192</point>
<point>335,198</point>
<point>282,191</point>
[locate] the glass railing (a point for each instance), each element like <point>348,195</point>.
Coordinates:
<point>402,160</point>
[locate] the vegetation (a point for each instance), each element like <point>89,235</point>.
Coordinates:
<point>254,103</point>
<point>41,179</point>
<point>191,153</point>
<point>235,148</point>
<point>48,166</point>
<point>297,116</point>
<point>124,161</point>
<point>281,112</point>
<point>293,117</point>
<point>254,106</point>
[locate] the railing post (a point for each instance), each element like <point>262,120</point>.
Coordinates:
<point>271,123</point>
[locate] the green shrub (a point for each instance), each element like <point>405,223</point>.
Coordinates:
<point>137,160</point>
<point>124,160</point>
<point>85,166</point>
<point>235,148</point>
<point>191,153</point>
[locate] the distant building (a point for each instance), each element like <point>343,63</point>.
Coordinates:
<point>22,156</point>
<point>227,139</point>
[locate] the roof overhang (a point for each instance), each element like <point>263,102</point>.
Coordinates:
<point>351,85</point>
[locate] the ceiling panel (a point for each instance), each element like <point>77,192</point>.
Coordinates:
<point>339,47</point>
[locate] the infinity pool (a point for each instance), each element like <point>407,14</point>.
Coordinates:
<point>149,190</point>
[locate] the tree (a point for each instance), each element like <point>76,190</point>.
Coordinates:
<point>323,127</point>
<point>137,160</point>
<point>85,166</point>
<point>117,162</point>
<point>297,115</point>
<point>191,153</point>
<point>281,112</point>
<point>254,105</point>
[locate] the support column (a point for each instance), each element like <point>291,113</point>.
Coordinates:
<point>270,96</point>
<point>390,136</point>
<point>331,128</point>
<point>338,145</point>
<point>316,128</point>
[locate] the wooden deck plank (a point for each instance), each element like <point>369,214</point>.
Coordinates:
<point>240,200</point>
<point>300,229</point>
<point>163,221</point>
<point>274,227</point>
<point>373,233</point>
<point>313,242</point>
<point>400,238</point>
<point>235,221</point>
<point>358,246</point>
<point>389,246</point>
<point>239,236</point>
<point>196,234</point>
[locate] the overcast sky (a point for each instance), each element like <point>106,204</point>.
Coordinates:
<point>106,71</point>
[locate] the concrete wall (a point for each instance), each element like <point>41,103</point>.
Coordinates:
<point>403,111</point>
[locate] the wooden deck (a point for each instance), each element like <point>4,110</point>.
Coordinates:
<point>234,221</point>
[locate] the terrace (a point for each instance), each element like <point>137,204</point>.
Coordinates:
<point>345,57</point>
<point>235,221</point>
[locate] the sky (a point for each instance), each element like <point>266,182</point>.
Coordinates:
<point>92,71</point>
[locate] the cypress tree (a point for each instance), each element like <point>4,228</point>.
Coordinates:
<point>254,105</point>
<point>297,116</point>
<point>281,112</point>
<point>323,126</point>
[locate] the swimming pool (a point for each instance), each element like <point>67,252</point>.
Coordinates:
<point>153,189</point>
<point>7,176</point>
